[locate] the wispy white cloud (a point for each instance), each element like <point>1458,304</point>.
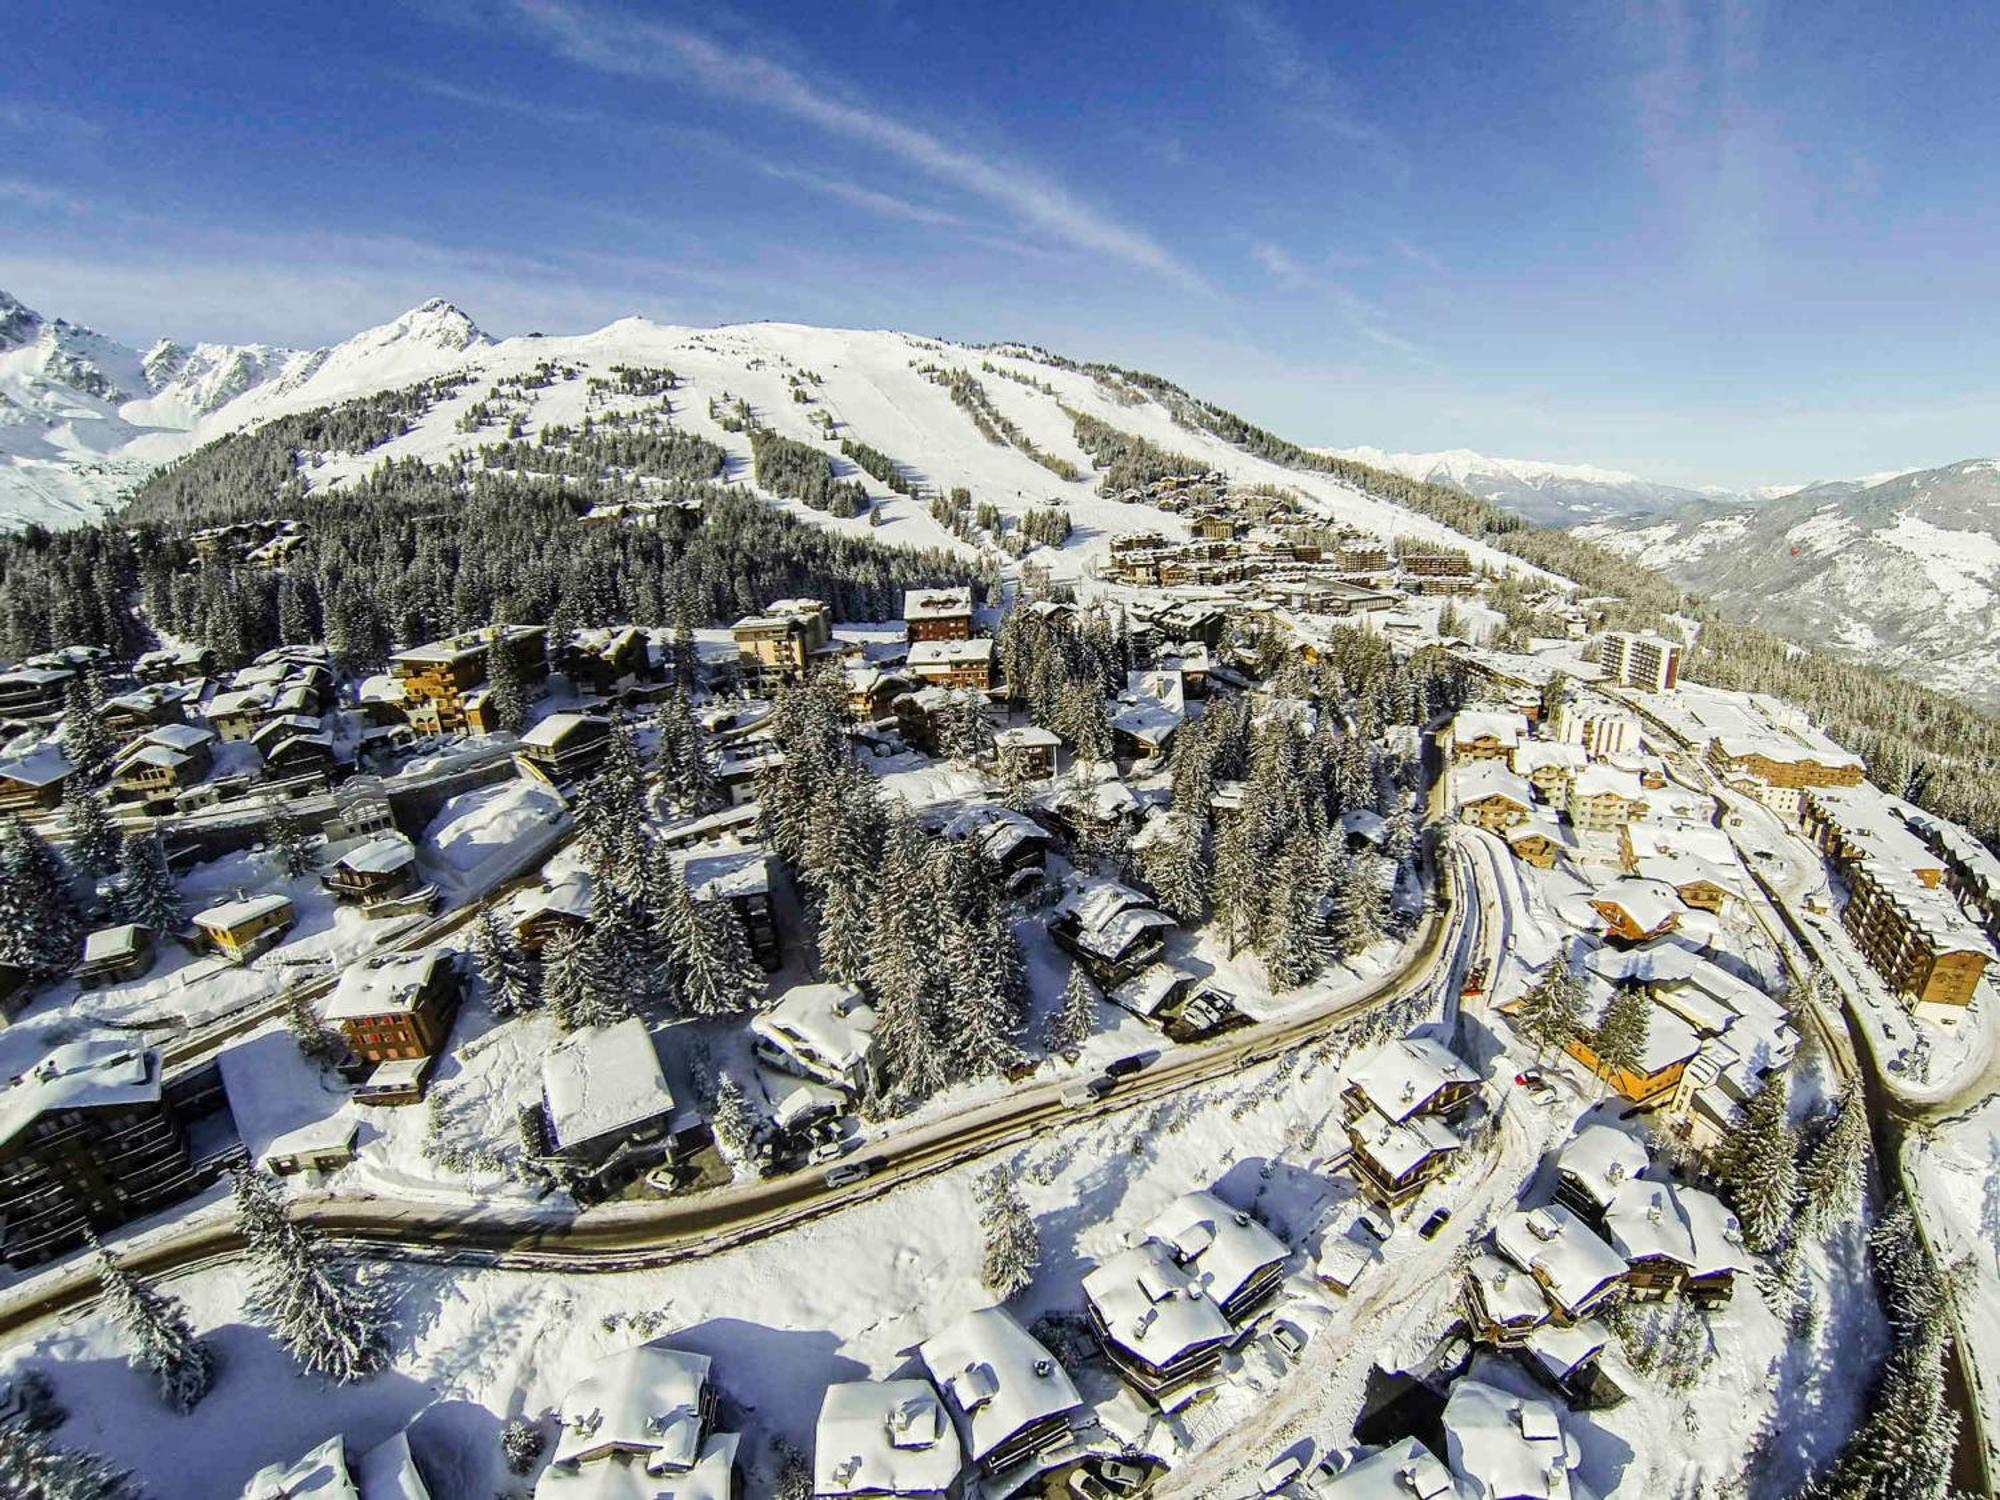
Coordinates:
<point>1418,255</point>
<point>30,117</point>
<point>615,43</point>
<point>1279,263</point>
<point>40,195</point>
<point>513,104</point>
<point>1306,88</point>
<point>855,195</point>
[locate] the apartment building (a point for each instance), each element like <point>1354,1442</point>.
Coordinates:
<point>438,678</point>
<point>1600,731</point>
<point>1783,762</point>
<point>1651,663</point>
<point>938,614</point>
<point>1900,913</point>
<point>784,641</point>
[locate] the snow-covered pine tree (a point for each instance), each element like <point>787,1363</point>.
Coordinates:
<point>33,1468</point>
<point>735,1131</point>
<point>1551,1013</point>
<point>334,1324</point>
<point>1174,864</point>
<point>291,843</point>
<point>87,744</point>
<point>1013,1245</point>
<point>94,840</point>
<point>40,926</point>
<point>160,1340</point>
<point>1619,1038</point>
<point>1355,918</point>
<point>1760,1166</point>
<point>575,987</point>
<point>506,687</point>
<point>1295,944</point>
<point>504,967</point>
<point>977,1013</point>
<point>1835,1168</point>
<point>1238,889</point>
<point>521,1443</point>
<point>318,1041</point>
<point>1075,1021</point>
<point>711,956</point>
<point>147,891</point>
<point>636,972</point>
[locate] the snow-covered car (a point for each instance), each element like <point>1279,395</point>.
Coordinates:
<point>1280,1472</point>
<point>1290,1337</point>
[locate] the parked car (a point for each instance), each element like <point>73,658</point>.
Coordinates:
<point>1280,1472</point>
<point>851,1171</point>
<point>1125,1067</point>
<point>1290,1337</point>
<point>1086,1093</point>
<point>1438,1219</point>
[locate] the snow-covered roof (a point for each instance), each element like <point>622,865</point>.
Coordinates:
<point>242,700</point>
<point>1398,1146</point>
<point>228,915</point>
<point>382,688</point>
<point>39,768</point>
<point>1153,1305</point>
<point>556,728</point>
<point>996,1377</point>
<point>949,653</point>
<point>618,1478</point>
<point>1364,823</point>
<point>1669,1038</point>
<point>1403,1471</point>
<point>1225,1247</point>
<point>1152,987</point>
<point>1559,1348</point>
<point>603,1080</point>
<point>1533,755</point>
<point>90,1073</point>
<point>1717,1237</point>
<point>109,944</point>
<point>383,855</point>
<point>830,1023</point>
<point>1147,720</point>
<point>1401,1077</point>
<point>388,1471</point>
<point>645,1401</point>
<point>1601,780</point>
<point>1644,1221</point>
<point>1022,736</point>
<point>321,1474</point>
<point>570,896</point>
<point>1649,903</point>
<point>1508,1446</point>
<point>935,604</point>
<point>1472,724</point>
<point>1570,1261</point>
<point>387,984</point>
<point>883,1437</point>
<point>726,872</point>
<point>1510,1295</point>
<point>1600,1160</point>
<point>1490,778</point>
<point>1785,750</point>
<point>179,736</point>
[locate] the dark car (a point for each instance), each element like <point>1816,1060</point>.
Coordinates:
<point>1125,1067</point>
<point>1434,1223</point>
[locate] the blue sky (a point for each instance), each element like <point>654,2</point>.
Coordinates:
<point>1729,243</point>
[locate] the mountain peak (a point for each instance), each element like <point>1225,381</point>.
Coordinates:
<point>19,323</point>
<point>438,321</point>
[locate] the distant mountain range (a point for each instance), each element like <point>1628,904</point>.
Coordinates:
<point>1549,494</point>
<point>83,417</point>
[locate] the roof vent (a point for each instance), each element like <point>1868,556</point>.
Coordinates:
<point>1046,1368</point>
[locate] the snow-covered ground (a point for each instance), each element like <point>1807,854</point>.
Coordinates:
<point>1957,1167</point>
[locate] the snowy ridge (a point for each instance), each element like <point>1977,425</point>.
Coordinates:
<point>1551,494</point>
<point>871,383</point>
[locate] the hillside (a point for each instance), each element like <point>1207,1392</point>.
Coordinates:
<point>1904,573</point>
<point>997,422</point>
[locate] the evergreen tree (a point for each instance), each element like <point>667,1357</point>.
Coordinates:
<point>1172,862</point>
<point>94,840</point>
<point>147,891</point>
<point>1835,1170</point>
<point>87,744</point>
<point>735,1131</point>
<point>1619,1039</point>
<point>333,1324</point>
<point>1356,918</point>
<point>1238,886</point>
<point>1551,1014</point>
<point>161,1340</point>
<point>521,1443</point>
<point>40,926</point>
<point>576,986</point>
<point>33,1468</point>
<point>711,956</point>
<point>899,968</point>
<point>977,1012</point>
<point>1075,1021</point>
<point>507,971</point>
<point>506,687</point>
<point>1295,944</point>
<point>318,1041</point>
<point>292,844</point>
<point>1760,1166</point>
<point>1013,1245</point>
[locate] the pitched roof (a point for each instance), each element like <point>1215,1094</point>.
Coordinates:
<point>603,1080</point>
<point>1401,1077</point>
<point>883,1437</point>
<point>1225,1246</point>
<point>1154,1305</point>
<point>997,1378</point>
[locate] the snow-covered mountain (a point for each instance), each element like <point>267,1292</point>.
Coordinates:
<point>1904,571</point>
<point>83,417</point>
<point>884,389</point>
<point>1549,494</point>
